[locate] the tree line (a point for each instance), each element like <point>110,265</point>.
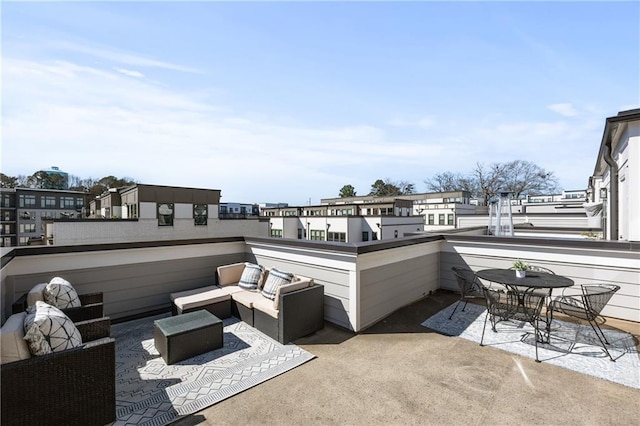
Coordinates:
<point>485,182</point>
<point>43,180</point>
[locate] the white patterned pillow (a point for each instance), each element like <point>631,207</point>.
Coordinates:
<point>251,276</point>
<point>61,294</point>
<point>275,279</point>
<point>47,329</point>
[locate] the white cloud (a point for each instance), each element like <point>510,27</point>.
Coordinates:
<point>130,73</point>
<point>423,122</point>
<point>94,123</point>
<point>565,109</point>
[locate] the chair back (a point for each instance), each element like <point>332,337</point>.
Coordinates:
<point>501,302</point>
<point>536,268</point>
<point>596,297</point>
<point>466,279</point>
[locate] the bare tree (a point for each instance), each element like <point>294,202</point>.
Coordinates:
<point>524,178</point>
<point>445,182</point>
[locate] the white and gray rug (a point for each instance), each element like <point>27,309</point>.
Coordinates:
<point>150,392</point>
<point>587,356</point>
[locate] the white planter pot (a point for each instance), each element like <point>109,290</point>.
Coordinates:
<point>521,274</point>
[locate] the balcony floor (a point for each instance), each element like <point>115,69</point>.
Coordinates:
<point>398,372</point>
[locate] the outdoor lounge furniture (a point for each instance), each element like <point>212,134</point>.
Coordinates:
<point>468,286</point>
<point>588,306</point>
<point>184,336</point>
<point>71,387</point>
<point>91,304</point>
<point>296,310</point>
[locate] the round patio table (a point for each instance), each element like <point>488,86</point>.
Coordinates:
<point>531,280</point>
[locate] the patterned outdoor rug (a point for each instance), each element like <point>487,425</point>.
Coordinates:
<point>150,392</point>
<point>586,357</point>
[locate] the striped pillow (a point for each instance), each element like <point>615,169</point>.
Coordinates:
<point>251,276</point>
<point>275,279</point>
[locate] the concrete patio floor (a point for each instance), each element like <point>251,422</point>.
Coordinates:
<point>398,372</point>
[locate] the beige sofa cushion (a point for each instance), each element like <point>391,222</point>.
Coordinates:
<point>201,299</point>
<point>265,305</point>
<point>191,292</point>
<point>12,344</point>
<point>230,274</point>
<point>247,298</point>
<point>35,294</point>
<point>230,289</point>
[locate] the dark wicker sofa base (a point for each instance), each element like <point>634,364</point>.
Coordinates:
<point>72,387</point>
<point>92,307</point>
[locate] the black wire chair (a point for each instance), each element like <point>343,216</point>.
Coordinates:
<point>588,306</point>
<point>468,285</point>
<point>505,303</point>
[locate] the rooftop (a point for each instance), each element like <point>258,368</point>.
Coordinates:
<point>399,372</point>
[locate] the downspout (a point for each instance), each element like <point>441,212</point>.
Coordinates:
<point>613,191</point>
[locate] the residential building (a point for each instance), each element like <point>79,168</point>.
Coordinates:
<point>152,212</point>
<point>25,210</point>
<point>356,222</point>
<point>438,209</point>
<point>616,178</point>
<point>238,210</point>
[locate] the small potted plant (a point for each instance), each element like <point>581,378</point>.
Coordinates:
<point>521,268</point>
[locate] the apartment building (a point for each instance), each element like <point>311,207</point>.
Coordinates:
<point>355,222</point>
<point>25,210</point>
<point>152,213</point>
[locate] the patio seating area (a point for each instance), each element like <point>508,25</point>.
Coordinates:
<point>399,372</point>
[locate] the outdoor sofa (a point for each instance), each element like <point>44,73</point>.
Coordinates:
<point>283,312</point>
<point>91,304</point>
<point>71,387</point>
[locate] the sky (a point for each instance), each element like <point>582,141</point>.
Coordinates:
<point>290,101</point>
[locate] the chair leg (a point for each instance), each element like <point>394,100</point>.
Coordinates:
<point>454,309</point>
<point>483,328</point>
<point>603,339</point>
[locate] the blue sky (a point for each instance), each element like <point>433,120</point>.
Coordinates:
<point>289,101</point>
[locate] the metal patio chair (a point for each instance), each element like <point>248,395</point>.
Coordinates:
<point>468,285</point>
<point>504,304</point>
<point>588,306</point>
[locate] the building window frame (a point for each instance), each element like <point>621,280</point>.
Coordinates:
<point>200,214</point>
<point>165,214</point>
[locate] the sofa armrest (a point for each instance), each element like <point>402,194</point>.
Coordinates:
<point>288,288</point>
<point>19,305</point>
<point>230,274</point>
<point>76,386</point>
<point>85,312</point>
<point>301,313</point>
<point>90,298</point>
<point>94,329</point>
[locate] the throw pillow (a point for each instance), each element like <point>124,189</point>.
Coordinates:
<point>61,294</point>
<point>47,329</point>
<point>251,276</point>
<point>275,279</point>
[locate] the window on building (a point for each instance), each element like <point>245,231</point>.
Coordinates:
<point>300,233</point>
<point>27,215</point>
<point>7,201</point>
<point>165,214</point>
<point>431,219</point>
<point>67,203</point>
<point>365,235</point>
<point>48,202</point>
<point>276,233</point>
<point>316,234</point>
<point>374,236</point>
<point>27,227</point>
<point>340,237</point>
<point>450,219</point>
<point>79,203</point>
<point>23,241</point>
<point>27,201</point>
<point>47,215</point>
<point>441,219</point>
<point>200,214</point>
